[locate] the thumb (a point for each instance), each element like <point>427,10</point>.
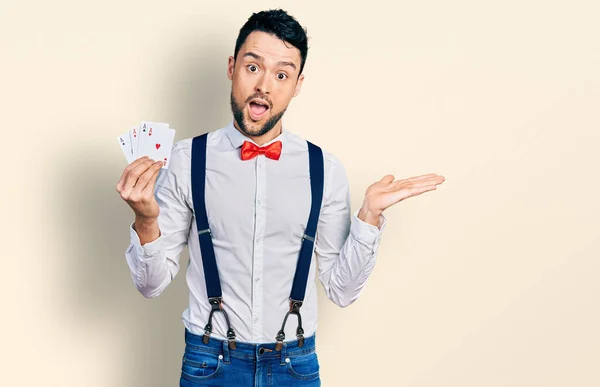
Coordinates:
<point>387,179</point>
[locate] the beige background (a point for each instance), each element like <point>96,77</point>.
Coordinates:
<point>490,281</point>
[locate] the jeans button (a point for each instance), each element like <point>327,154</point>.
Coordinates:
<point>261,351</point>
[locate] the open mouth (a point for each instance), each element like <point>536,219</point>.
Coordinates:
<point>258,108</point>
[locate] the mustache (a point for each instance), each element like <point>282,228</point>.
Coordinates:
<point>263,97</point>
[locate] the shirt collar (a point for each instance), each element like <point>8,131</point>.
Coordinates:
<point>237,138</point>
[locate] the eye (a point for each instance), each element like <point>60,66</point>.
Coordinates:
<point>252,68</point>
<point>281,76</point>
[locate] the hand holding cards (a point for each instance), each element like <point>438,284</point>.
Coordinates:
<point>152,139</point>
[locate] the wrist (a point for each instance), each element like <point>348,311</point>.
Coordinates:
<point>147,229</point>
<point>370,216</point>
<point>142,222</point>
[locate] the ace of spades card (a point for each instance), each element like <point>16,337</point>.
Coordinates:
<point>125,144</point>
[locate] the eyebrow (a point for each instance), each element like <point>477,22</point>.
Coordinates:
<point>261,59</point>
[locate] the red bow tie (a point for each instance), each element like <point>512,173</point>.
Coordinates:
<point>250,150</point>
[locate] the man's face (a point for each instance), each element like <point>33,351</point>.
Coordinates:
<point>264,80</point>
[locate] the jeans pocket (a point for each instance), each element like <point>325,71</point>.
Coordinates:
<point>200,365</point>
<point>305,367</point>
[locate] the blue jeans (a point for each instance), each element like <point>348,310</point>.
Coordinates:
<point>214,364</point>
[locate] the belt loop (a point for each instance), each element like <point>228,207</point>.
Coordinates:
<point>283,354</point>
<point>226,357</point>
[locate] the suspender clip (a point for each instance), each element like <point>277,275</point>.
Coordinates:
<point>207,331</point>
<point>300,335</point>
<point>295,306</point>
<point>294,309</point>
<point>231,338</point>
<point>204,231</point>
<point>280,337</point>
<point>216,304</point>
<point>308,237</point>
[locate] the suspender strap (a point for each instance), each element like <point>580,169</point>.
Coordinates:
<point>317,177</point>
<point>209,263</point>
<point>211,274</point>
<point>316,187</point>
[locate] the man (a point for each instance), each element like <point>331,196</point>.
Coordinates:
<point>255,203</point>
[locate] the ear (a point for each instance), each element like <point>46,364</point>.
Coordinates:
<point>299,84</point>
<point>230,68</point>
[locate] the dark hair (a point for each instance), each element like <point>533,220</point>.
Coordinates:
<point>276,22</point>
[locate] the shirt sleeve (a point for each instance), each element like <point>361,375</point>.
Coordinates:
<point>155,264</point>
<point>345,246</point>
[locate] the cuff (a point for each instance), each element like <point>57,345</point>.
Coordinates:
<point>366,232</point>
<point>150,249</point>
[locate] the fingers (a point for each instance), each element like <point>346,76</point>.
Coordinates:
<point>415,191</point>
<point>146,180</point>
<point>420,178</point>
<point>132,177</point>
<point>424,177</point>
<point>427,182</point>
<point>150,185</point>
<point>400,184</point>
<point>131,166</point>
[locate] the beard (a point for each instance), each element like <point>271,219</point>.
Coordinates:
<point>238,116</point>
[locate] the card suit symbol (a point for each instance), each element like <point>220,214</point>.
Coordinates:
<point>157,146</point>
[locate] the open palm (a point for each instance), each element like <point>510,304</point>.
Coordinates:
<point>387,191</point>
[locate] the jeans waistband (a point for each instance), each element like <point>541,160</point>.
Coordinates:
<point>250,351</point>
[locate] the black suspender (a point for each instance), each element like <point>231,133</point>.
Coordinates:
<point>315,156</point>
<point>211,273</point>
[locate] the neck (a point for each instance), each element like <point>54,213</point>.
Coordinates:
<point>265,138</point>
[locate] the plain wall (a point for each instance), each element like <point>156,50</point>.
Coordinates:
<point>492,280</point>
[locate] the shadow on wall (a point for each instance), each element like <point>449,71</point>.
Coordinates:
<point>100,293</point>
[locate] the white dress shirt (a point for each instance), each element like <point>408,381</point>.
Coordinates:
<point>257,212</point>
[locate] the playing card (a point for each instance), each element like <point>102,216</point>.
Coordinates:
<point>152,139</point>
<point>147,131</point>
<point>157,144</point>
<point>134,136</point>
<point>125,144</point>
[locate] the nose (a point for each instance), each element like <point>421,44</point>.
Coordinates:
<point>263,85</point>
